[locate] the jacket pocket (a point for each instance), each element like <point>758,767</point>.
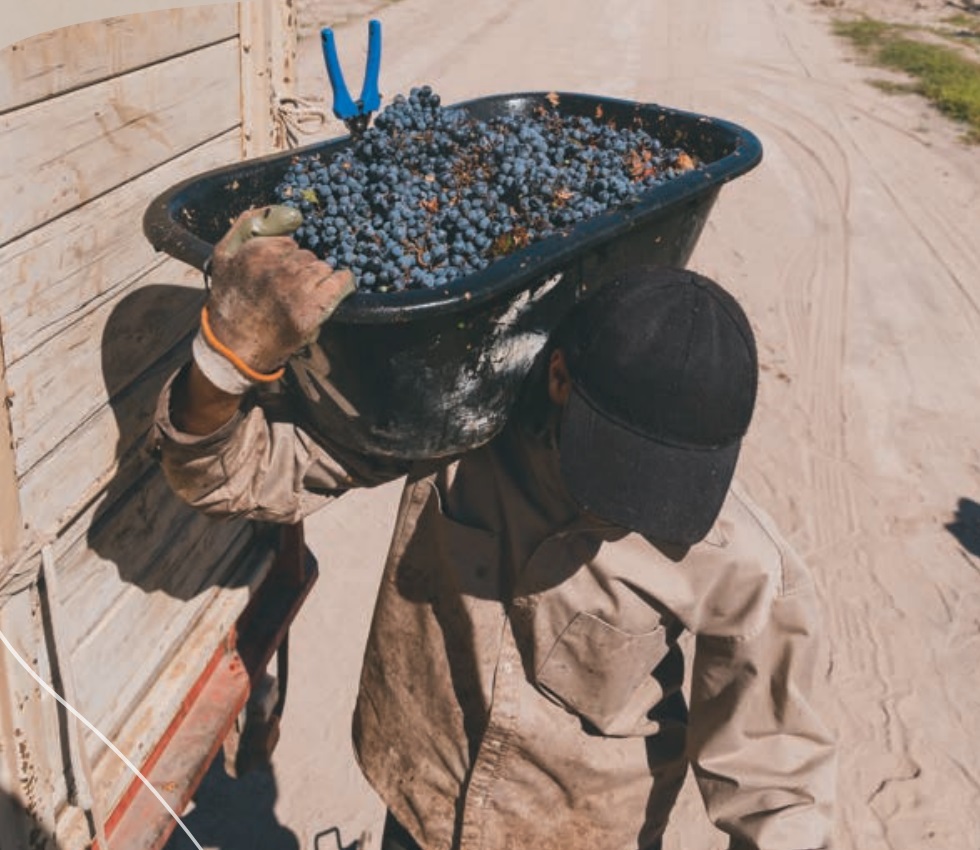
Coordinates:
<point>605,675</point>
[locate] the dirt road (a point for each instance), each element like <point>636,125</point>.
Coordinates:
<point>855,248</point>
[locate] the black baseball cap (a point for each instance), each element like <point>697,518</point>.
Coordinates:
<point>664,375</point>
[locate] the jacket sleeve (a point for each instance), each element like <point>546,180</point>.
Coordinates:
<point>260,465</point>
<point>764,762</point>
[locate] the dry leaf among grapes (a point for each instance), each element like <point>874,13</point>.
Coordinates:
<point>563,196</point>
<point>510,241</point>
<point>640,165</point>
<point>684,162</point>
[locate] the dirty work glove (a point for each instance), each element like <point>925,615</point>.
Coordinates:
<point>268,299</point>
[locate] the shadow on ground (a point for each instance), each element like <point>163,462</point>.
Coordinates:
<point>965,526</point>
<point>235,814</point>
<point>19,828</point>
<point>330,839</point>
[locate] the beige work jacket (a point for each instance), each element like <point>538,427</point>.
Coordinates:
<point>521,687</point>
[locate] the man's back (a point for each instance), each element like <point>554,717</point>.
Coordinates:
<point>522,682</point>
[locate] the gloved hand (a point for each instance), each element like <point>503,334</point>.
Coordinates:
<point>268,299</point>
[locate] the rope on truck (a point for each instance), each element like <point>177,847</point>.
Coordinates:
<point>294,117</point>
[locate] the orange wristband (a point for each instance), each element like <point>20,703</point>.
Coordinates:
<point>234,359</point>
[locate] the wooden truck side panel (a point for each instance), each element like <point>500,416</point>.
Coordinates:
<point>95,120</point>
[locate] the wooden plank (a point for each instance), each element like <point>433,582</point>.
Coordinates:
<point>71,149</point>
<point>121,656</point>
<point>140,541</point>
<point>68,380</point>
<point>150,718</point>
<point>206,715</point>
<point>103,451</point>
<point>283,49</point>
<point>55,275</point>
<point>28,716</point>
<point>255,104</point>
<point>268,71</point>
<point>10,518</point>
<point>110,545</point>
<point>71,57</point>
<point>217,613</point>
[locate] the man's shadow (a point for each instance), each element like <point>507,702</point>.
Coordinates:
<point>235,814</point>
<point>21,828</point>
<point>139,524</point>
<point>965,526</point>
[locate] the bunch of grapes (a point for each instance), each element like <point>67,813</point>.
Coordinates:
<point>429,194</point>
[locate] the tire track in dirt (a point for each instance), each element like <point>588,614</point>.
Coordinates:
<point>925,221</point>
<point>888,687</point>
<point>812,295</point>
<point>875,627</point>
<point>777,12</point>
<point>815,286</point>
<point>906,749</point>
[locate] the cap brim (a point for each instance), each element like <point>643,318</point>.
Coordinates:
<point>665,492</point>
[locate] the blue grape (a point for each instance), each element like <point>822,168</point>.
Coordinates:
<point>430,194</point>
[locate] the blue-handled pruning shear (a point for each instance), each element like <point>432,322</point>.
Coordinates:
<point>356,115</point>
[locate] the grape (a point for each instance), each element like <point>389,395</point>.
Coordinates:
<point>429,194</point>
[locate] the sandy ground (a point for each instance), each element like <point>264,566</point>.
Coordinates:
<point>855,249</point>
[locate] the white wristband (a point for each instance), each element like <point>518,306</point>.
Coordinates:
<point>217,369</point>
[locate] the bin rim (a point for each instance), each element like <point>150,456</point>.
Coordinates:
<point>504,276</point>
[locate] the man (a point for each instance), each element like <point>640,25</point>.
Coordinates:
<point>521,687</point>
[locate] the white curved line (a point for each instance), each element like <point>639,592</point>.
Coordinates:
<point>101,737</point>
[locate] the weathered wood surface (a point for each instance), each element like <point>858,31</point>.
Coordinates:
<point>69,150</point>
<point>68,58</point>
<point>96,120</point>
<point>68,380</point>
<point>122,654</point>
<point>104,448</point>
<point>268,71</point>
<point>30,757</point>
<point>154,712</point>
<point>57,275</point>
<point>10,522</point>
<point>140,541</point>
<point>112,308</point>
<point>149,719</point>
<point>123,373</point>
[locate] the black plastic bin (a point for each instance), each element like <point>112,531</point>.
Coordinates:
<point>424,374</point>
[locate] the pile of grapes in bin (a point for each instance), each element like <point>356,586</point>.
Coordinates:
<point>429,193</point>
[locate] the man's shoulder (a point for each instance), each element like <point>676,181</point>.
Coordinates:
<point>743,566</point>
<point>744,516</point>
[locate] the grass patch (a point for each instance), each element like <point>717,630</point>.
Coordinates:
<point>864,33</point>
<point>941,74</point>
<point>888,87</point>
<point>966,24</point>
<point>961,29</point>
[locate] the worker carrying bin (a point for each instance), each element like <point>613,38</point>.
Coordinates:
<point>569,415</point>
